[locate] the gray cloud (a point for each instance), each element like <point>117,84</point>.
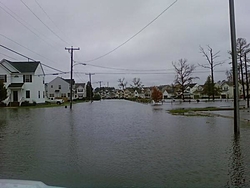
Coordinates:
<point>101,25</point>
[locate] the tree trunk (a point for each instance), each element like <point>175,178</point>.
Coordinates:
<point>242,78</point>
<point>212,75</point>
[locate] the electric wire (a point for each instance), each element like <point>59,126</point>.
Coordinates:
<point>133,36</point>
<point>153,73</point>
<point>27,24</point>
<point>122,69</point>
<point>49,18</point>
<point>165,72</point>
<point>26,27</point>
<point>8,56</point>
<point>26,48</point>
<point>44,23</point>
<point>30,58</point>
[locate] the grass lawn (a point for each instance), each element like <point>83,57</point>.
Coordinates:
<point>187,111</point>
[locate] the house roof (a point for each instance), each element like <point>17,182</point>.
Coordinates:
<point>79,84</point>
<point>24,67</point>
<point>228,83</point>
<point>192,85</point>
<point>68,80</point>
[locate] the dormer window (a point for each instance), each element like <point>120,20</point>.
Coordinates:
<point>27,78</point>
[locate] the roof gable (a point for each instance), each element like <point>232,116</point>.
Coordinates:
<point>79,84</point>
<point>25,67</point>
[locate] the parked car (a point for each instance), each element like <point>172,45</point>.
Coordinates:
<point>55,101</point>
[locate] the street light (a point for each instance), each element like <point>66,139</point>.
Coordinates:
<point>79,64</point>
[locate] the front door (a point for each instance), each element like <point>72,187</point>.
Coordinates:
<point>15,96</point>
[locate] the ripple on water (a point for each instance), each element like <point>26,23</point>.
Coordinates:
<point>119,143</point>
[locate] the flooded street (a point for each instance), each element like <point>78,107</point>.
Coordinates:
<point>117,143</point>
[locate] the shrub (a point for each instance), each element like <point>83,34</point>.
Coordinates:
<point>27,103</point>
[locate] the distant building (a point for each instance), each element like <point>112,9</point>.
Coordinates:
<point>80,90</point>
<point>60,88</point>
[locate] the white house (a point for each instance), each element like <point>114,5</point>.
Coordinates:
<point>24,81</point>
<point>80,89</point>
<point>168,92</point>
<point>59,87</point>
<point>227,90</point>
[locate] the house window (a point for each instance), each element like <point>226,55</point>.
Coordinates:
<point>80,90</point>
<point>59,87</point>
<point>39,94</point>
<point>27,94</point>
<point>27,78</point>
<point>225,88</point>
<point>51,95</point>
<point>63,95</point>
<point>51,86</point>
<point>43,94</point>
<point>3,78</point>
<point>68,94</point>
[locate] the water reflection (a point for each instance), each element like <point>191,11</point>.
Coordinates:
<point>236,165</point>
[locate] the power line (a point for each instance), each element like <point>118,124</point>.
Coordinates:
<point>133,36</point>
<point>25,26</point>
<point>49,17</point>
<point>29,58</point>
<point>122,69</point>
<point>8,56</point>
<point>43,22</point>
<point>29,25</point>
<point>153,73</point>
<point>26,48</point>
<point>17,53</point>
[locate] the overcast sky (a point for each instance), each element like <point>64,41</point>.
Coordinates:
<point>99,26</point>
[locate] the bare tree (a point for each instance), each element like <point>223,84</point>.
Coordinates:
<point>210,56</point>
<point>183,77</point>
<point>229,74</point>
<point>122,83</point>
<point>242,47</point>
<point>137,84</point>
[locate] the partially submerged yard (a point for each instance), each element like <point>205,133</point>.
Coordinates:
<point>196,111</point>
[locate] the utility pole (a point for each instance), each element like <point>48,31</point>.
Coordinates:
<point>71,50</point>
<point>235,72</point>
<point>90,74</point>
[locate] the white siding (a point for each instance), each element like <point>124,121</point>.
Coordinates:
<point>35,86</point>
<point>54,85</point>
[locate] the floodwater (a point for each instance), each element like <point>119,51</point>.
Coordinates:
<point>117,143</point>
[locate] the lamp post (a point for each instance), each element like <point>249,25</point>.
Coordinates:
<point>235,72</point>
